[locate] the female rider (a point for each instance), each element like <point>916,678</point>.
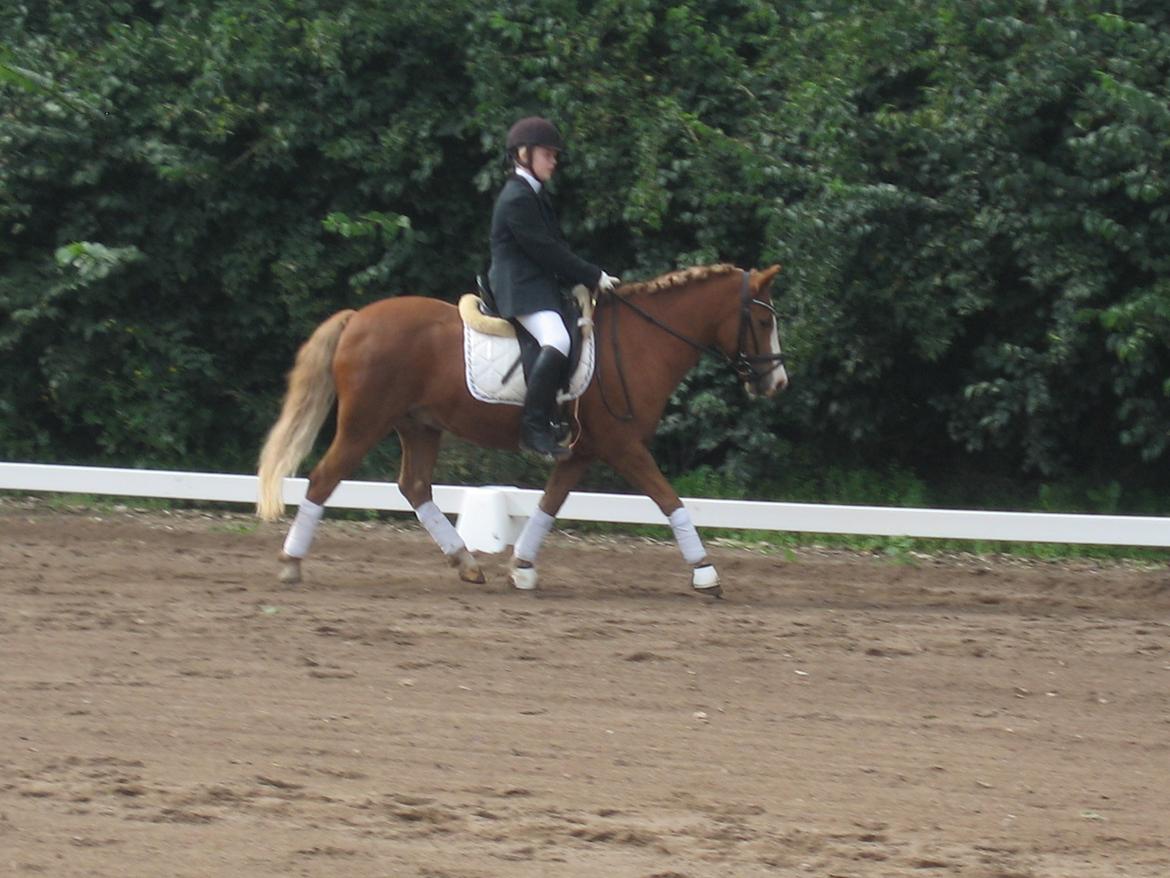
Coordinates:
<point>531,263</point>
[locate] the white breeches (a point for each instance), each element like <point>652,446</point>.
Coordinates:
<point>548,329</point>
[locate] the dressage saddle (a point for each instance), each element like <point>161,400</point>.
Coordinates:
<point>529,347</point>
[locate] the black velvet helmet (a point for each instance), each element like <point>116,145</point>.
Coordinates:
<point>534,131</point>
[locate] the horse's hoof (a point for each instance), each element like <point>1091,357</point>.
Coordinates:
<point>290,569</point>
<point>705,581</point>
<point>469,569</point>
<point>523,578</point>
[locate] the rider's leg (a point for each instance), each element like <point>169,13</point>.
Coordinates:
<point>548,329</point>
<point>538,422</point>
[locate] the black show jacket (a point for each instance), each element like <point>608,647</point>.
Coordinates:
<point>531,260</point>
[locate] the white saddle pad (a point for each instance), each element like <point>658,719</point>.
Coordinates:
<point>487,358</point>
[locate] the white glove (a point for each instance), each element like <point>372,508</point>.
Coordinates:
<point>607,283</point>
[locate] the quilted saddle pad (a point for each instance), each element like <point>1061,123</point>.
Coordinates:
<point>487,359</point>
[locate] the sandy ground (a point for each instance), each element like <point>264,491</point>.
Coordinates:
<point>167,709</point>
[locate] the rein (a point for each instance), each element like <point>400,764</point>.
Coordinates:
<point>742,363</point>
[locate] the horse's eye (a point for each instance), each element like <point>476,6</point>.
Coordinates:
<point>765,322</point>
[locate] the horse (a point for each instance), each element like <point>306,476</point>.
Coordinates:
<point>397,364</point>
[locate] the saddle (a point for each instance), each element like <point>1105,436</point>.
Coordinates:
<point>505,345</point>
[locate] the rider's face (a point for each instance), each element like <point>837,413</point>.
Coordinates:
<point>544,163</point>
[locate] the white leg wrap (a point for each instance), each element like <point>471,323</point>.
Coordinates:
<point>686,536</point>
<point>440,528</point>
<point>528,543</point>
<point>304,526</point>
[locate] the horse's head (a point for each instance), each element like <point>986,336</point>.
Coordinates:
<point>751,337</point>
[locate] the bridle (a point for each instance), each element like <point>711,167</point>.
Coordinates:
<point>742,362</point>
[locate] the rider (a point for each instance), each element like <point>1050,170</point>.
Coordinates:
<point>531,261</point>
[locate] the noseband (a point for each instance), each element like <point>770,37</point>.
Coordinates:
<point>742,362</point>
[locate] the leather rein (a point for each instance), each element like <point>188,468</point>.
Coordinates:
<point>743,363</point>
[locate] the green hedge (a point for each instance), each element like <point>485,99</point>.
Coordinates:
<point>969,199</point>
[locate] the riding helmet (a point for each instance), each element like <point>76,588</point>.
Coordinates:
<point>534,131</point>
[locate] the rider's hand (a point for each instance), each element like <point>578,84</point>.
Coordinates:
<point>607,282</point>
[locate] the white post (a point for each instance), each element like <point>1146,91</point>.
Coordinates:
<point>484,522</point>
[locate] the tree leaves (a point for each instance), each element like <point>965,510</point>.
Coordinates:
<point>970,203</point>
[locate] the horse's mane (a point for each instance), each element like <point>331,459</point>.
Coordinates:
<point>676,279</point>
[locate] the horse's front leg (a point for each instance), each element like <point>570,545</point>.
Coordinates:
<point>420,450</point>
<point>636,465</point>
<point>561,481</point>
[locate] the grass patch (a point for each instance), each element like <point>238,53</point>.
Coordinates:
<point>237,527</point>
<point>104,503</point>
<point>897,549</point>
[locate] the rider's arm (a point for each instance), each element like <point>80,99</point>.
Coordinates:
<point>528,227</point>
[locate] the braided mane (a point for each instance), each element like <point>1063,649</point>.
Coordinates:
<point>676,279</point>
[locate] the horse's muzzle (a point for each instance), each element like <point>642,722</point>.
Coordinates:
<point>767,384</point>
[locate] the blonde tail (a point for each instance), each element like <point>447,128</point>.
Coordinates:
<point>310,396</point>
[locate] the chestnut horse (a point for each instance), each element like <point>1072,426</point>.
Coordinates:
<point>397,365</point>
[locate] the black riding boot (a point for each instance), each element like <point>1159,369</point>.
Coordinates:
<point>538,423</point>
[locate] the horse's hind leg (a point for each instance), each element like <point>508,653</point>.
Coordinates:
<point>353,440</point>
<point>420,450</point>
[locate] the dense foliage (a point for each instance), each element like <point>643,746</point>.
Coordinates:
<point>970,201</point>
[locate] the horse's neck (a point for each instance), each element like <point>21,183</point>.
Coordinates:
<point>692,312</point>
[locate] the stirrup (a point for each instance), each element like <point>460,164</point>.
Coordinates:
<point>545,445</point>
<point>562,433</point>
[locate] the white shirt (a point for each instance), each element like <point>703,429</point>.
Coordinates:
<point>530,177</point>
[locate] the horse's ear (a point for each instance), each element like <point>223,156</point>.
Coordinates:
<point>763,278</point>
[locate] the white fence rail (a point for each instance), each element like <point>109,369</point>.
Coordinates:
<point>489,518</point>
